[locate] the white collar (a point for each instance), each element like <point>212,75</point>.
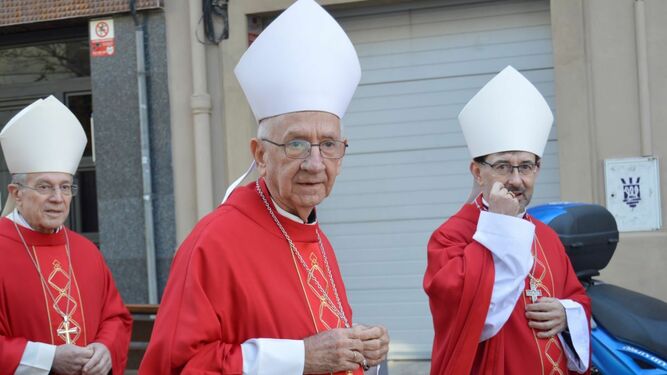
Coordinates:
<point>290,215</point>
<point>16,217</point>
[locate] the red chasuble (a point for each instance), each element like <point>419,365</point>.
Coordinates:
<point>27,311</point>
<point>234,278</point>
<point>459,282</point>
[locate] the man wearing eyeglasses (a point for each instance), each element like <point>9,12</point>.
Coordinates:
<point>256,288</point>
<point>502,292</point>
<point>60,311</point>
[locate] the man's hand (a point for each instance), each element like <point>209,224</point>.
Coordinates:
<point>100,362</point>
<point>375,340</point>
<point>502,201</point>
<point>334,350</point>
<point>547,316</point>
<point>70,359</point>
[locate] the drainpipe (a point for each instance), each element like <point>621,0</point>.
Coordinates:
<point>200,103</point>
<point>149,232</point>
<point>642,78</point>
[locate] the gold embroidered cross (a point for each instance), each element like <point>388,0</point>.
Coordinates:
<point>66,331</point>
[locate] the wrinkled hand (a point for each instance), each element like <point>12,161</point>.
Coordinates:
<point>502,201</point>
<point>334,350</point>
<point>70,359</point>
<point>375,340</point>
<point>547,316</point>
<point>100,362</point>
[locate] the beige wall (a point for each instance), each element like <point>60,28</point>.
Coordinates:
<point>180,89</point>
<point>598,114</point>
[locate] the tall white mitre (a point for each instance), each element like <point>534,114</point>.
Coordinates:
<point>43,137</point>
<point>303,61</point>
<point>507,114</point>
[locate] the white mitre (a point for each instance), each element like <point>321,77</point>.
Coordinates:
<point>303,61</point>
<point>44,137</point>
<point>507,114</point>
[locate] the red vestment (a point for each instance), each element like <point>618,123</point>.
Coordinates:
<point>459,281</point>
<point>234,278</point>
<point>26,307</point>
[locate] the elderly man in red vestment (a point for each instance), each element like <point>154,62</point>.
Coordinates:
<point>503,295</point>
<point>60,312</point>
<point>256,288</point>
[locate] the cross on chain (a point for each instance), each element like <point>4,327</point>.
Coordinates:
<point>66,331</point>
<point>533,292</point>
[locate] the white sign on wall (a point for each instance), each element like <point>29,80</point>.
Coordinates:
<point>632,188</point>
<point>102,39</point>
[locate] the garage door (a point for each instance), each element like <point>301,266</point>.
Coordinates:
<point>407,166</point>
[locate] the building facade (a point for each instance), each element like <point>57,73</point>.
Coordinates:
<point>45,50</point>
<point>599,64</point>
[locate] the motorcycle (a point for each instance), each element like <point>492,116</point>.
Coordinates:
<point>628,329</point>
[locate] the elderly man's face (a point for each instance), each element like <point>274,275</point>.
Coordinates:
<point>298,185</point>
<point>44,212</point>
<point>519,181</point>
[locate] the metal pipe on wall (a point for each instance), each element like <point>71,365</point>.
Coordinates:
<point>200,103</point>
<point>147,178</point>
<point>642,78</point>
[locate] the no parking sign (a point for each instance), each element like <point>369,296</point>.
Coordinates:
<point>102,42</point>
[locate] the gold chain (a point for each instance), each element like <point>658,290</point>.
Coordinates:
<point>536,243</point>
<point>336,310</point>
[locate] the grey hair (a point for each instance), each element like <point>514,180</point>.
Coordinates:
<point>20,178</point>
<point>266,124</point>
<point>262,128</point>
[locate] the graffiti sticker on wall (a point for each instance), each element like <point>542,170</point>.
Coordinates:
<point>633,193</point>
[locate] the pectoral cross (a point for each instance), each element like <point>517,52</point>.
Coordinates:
<point>533,292</point>
<point>66,331</point>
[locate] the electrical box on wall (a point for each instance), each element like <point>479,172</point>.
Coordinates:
<point>632,188</point>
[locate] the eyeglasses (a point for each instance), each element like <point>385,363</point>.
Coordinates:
<point>49,190</point>
<point>506,169</point>
<point>300,149</point>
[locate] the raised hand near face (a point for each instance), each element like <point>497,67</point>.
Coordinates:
<point>503,201</point>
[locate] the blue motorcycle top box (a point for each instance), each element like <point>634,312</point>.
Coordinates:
<point>588,233</point>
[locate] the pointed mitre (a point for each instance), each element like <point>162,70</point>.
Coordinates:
<point>43,137</point>
<point>303,61</point>
<point>507,114</point>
